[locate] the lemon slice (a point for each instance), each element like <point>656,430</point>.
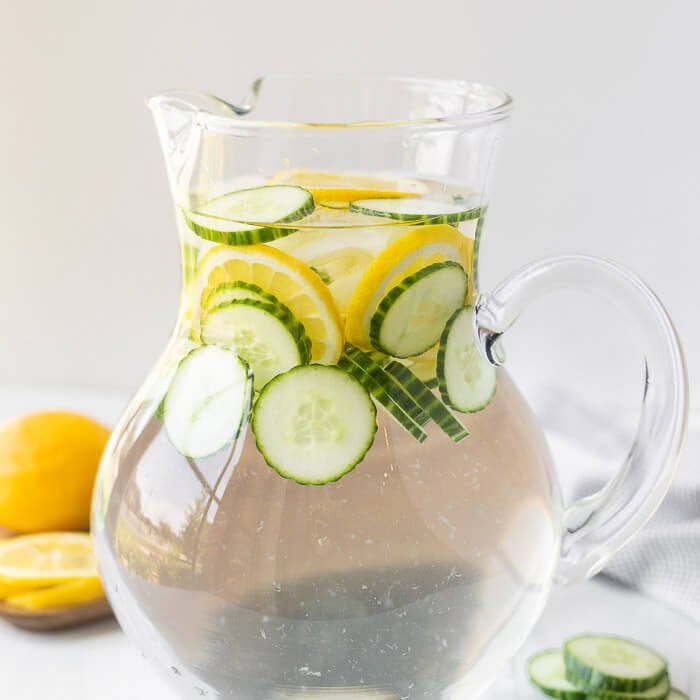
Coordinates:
<point>11,587</point>
<point>342,270</point>
<point>294,284</point>
<point>47,559</point>
<point>424,366</point>
<point>339,257</point>
<point>412,252</point>
<point>75,592</point>
<point>346,187</point>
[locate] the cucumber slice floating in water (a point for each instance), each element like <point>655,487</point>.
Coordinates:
<point>190,253</point>
<point>265,335</point>
<point>420,391</point>
<point>417,209</point>
<point>325,277</point>
<point>248,216</point>
<point>466,380</point>
<point>394,390</point>
<point>402,407</point>
<point>424,366</point>
<point>613,663</point>
<point>230,291</point>
<point>207,402</point>
<point>411,316</point>
<point>314,423</point>
<point>548,672</point>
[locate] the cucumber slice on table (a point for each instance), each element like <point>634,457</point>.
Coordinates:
<point>613,663</point>
<point>548,672</point>
<point>400,405</point>
<point>466,380</point>
<point>207,402</point>
<point>659,691</point>
<point>416,209</point>
<point>235,218</point>
<point>411,316</point>
<point>265,335</point>
<point>314,423</point>
<point>420,391</point>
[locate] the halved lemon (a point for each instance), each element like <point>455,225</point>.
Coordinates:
<point>412,252</point>
<point>345,187</point>
<point>294,284</point>
<point>33,561</point>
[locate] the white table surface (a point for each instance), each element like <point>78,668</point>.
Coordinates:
<point>97,662</point>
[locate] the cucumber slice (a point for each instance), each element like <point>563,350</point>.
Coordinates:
<point>207,402</point>
<point>396,392</point>
<point>400,405</point>
<point>314,424</point>
<point>325,277</point>
<point>411,316</point>
<point>424,366</point>
<point>234,218</point>
<point>417,209</point>
<point>190,253</point>
<point>477,248</point>
<point>466,380</point>
<point>547,672</point>
<point>425,398</point>
<point>613,663</point>
<point>265,335</point>
<point>230,291</point>
<point>659,691</point>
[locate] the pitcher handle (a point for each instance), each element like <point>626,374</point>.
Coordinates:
<point>596,527</point>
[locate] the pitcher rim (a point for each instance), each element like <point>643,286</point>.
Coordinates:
<point>503,104</point>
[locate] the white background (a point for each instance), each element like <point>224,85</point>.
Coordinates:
<point>601,157</point>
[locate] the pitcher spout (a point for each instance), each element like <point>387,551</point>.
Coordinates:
<point>180,117</point>
<point>205,103</point>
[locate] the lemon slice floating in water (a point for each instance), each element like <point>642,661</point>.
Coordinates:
<point>412,252</point>
<point>346,187</point>
<point>291,282</point>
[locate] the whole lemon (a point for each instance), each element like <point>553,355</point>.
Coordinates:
<point>48,465</point>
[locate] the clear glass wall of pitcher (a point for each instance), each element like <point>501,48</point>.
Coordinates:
<point>327,486</point>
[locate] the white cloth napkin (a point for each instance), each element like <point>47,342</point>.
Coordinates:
<point>663,560</point>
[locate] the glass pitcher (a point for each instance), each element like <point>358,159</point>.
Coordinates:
<point>329,485</point>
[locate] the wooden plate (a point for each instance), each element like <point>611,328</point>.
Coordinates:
<point>54,618</point>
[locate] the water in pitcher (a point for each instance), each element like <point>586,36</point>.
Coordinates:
<point>323,546</point>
